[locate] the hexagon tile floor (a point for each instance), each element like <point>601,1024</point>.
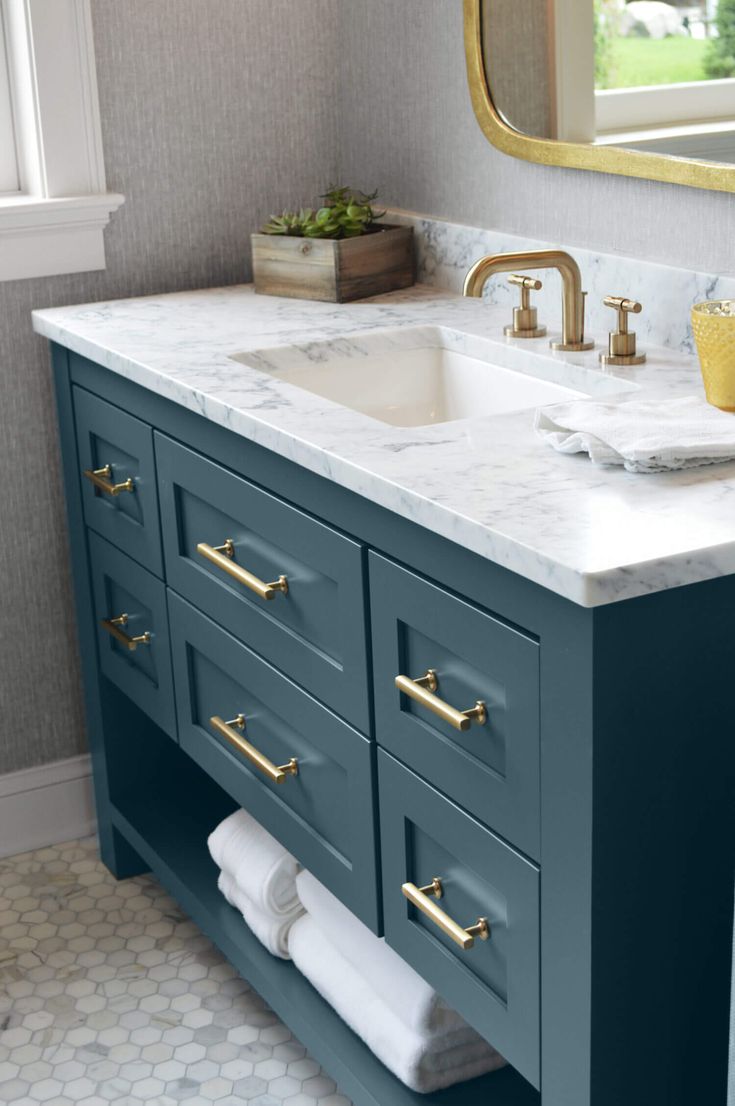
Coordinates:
<point>110,994</point>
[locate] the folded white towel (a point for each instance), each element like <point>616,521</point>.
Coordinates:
<point>642,435</point>
<point>258,863</point>
<point>410,997</point>
<point>271,930</point>
<point>424,1062</point>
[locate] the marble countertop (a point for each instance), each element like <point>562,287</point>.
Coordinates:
<point>594,535</point>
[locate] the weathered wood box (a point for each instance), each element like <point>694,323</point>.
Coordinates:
<point>334,270</point>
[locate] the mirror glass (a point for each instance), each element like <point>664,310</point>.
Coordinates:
<point>643,75</point>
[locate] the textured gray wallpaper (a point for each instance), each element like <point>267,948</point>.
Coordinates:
<point>409,128</point>
<point>214,112</point>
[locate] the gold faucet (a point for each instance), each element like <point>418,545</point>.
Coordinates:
<point>572,303</point>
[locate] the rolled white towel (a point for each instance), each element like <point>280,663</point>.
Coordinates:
<point>424,1062</point>
<point>410,997</point>
<point>271,930</point>
<point>643,435</point>
<point>258,863</point>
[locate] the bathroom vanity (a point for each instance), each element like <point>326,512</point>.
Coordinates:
<point>414,651</point>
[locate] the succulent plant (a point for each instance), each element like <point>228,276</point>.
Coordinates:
<point>345,214</point>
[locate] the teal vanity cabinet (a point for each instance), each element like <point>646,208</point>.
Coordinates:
<point>532,800</point>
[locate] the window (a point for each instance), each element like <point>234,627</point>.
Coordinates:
<point>618,83</point>
<point>54,203</point>
<point>8,157</point>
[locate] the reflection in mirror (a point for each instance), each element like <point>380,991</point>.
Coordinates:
<point>644,75</point>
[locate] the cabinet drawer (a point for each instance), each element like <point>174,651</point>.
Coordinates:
<point>323,814</point>
<point>315,631</point>
<point>495,983</point>
<point>492,768</point>
<point>120,449</point>
<point>132,604</point>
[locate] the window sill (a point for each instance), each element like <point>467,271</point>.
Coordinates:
<point>47,237</point>
<point>709,141</point>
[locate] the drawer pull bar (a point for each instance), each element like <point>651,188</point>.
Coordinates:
<point>223,557</point>
<point>464,937</point>
<point>112,625</point>
<point>276,773</point>
<point>102,479</point>
<point>423,689</point>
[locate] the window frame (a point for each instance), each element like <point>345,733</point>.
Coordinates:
<point>55,220</point>
<point>665,105</point>
<point>9,179</point>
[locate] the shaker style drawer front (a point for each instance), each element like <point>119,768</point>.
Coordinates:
<point>132,631</point>
<point>301,771</point>
<point>463,909</point>
<point>286,584</point>
<point>118,477</point>
<point>457,698</point>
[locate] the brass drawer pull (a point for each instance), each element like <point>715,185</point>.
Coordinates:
<point>275,772</point>
<point>223,557</point>
<point>112,625</point>
<point>102,479</point>
<point>419,896</point>
<point>422,690</point>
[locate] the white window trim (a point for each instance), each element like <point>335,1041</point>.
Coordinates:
<point>55,223</point>
<point>629,109</point>
<point>8,160</point>
<point>572,31</point>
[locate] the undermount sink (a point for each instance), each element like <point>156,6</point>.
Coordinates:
<point>427,375</point>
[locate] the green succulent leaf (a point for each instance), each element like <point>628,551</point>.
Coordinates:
<point>346,214</point>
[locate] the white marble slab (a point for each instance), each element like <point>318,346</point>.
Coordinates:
<point>593,535</point>
<point>447,250</point>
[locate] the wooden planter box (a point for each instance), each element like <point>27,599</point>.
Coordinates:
<point>334,270</point>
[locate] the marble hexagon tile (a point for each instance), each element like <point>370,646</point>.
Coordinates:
<point>110,994</point>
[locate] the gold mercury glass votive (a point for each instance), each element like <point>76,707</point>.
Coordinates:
<point>713,324</point>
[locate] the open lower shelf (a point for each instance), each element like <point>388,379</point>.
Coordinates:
<point>170,837</point>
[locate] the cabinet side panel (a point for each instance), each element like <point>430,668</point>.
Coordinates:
<point>663,846</point>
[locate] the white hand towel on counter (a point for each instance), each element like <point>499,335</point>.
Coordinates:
<point>270,929</point>
<point>425,1062</point>
<point>409,996</point>
<point>258,863</point>
<point>642,435</point>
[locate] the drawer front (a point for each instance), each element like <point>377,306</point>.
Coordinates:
<point>495,983</point>
<point>141,669</point>
<point>316,630</point>
<point>324,814</point>
<point>492,767</point>
<point>107,436</point>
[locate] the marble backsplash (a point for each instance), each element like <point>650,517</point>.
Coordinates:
<point>447,250</point>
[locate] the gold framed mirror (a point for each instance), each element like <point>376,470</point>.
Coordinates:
<point>521,53</point>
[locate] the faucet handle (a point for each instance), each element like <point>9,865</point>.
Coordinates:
<point>525,317</point>
<point>622,342</point>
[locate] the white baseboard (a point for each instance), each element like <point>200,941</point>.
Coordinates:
<point>45,805</point>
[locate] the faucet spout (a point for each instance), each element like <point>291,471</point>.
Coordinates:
<point>572,313</point>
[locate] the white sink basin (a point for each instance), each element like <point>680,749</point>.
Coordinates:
<point>417,376</point>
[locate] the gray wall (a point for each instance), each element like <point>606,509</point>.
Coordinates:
<point>213,112</point>
<point>409,129</point>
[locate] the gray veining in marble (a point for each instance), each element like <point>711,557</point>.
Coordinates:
<point>446,251</point>
<point>590,534</point>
